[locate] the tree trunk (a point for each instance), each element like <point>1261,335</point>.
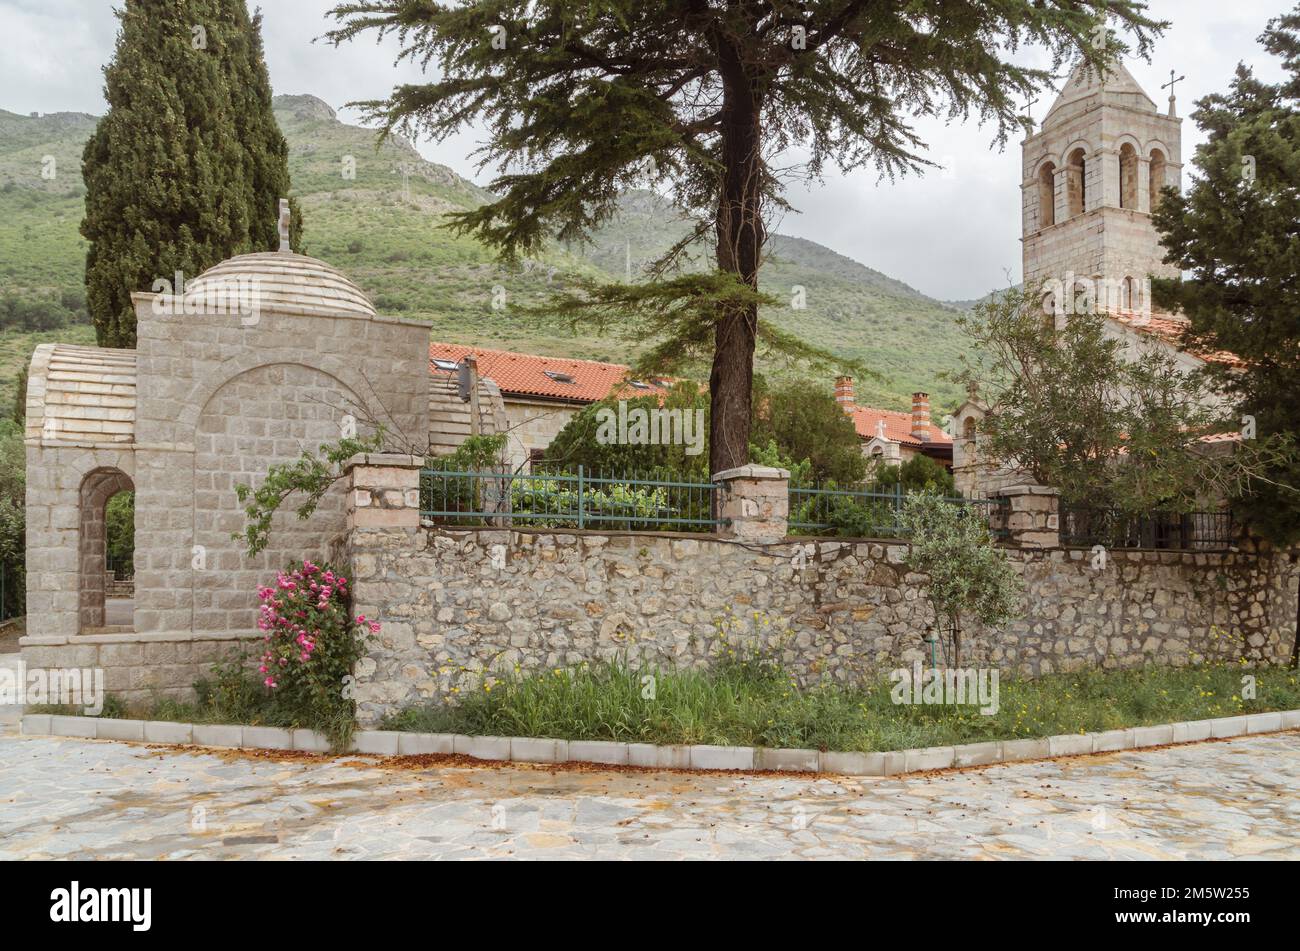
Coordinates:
<point>740,237</point>
<point>956,640</point>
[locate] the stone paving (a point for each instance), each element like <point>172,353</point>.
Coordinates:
<point>98,799</point>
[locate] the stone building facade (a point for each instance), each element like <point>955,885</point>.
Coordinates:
<point>1092,175</point>
<point>259,358</point>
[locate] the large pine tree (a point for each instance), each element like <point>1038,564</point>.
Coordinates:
<point>187,167</point>
<point>1236,232</point>
<point>717,103</point>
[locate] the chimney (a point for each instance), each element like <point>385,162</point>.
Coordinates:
<point>921,416</point>
<point>844,393</point>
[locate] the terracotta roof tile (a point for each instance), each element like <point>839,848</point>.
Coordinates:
<point>898,427</point>
<point>526,374</point>
<point>1170,328</point>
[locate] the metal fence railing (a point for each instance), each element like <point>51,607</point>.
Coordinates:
<point>1191,531</point>
<point>580,499</point>
<point>119,567</point>
<point>869,513</point>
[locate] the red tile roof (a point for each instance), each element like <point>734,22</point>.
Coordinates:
<point>898,427</point>
<point>525,374</point>
<point>1170,328</point>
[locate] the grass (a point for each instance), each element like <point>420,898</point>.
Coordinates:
<point>754,703</point>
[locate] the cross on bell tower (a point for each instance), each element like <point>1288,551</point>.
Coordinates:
<point>1173,114</point>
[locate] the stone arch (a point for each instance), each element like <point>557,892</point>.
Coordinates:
<point>203,391</point>
<point>1047,195</point>
<point>1159,171</point>
<point>1076,181</point>
<point>97,487</point>
<point>1128,176</point>
<point>262,416</point>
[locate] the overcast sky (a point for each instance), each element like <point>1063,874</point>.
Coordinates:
<point>952,234</point>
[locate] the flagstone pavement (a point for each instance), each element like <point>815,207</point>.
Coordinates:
<point>68,798</point>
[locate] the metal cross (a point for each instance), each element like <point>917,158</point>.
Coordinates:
<point>1170,86</point>
<point>1028,106</point>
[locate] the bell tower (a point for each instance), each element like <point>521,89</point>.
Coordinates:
<point>1092,174</point>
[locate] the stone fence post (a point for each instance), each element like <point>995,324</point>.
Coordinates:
<point>383,490</point>
<point>1034,518</point>
<point>756,502</point>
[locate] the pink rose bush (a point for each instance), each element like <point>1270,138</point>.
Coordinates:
<point>310,641</point>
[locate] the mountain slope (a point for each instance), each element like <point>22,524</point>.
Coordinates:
<point>374,212</point>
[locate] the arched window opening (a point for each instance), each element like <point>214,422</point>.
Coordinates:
<point>106,551</point>
<point>1076,177</point>
<point>1128,176</point>
<point>1047,196</point>
<point>968,429</point>
<point>1159,167</point>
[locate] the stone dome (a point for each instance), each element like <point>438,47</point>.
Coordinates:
<point>284,283</point>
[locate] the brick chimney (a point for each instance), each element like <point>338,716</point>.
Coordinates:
<point>921,416</point>
<point>844,393</point>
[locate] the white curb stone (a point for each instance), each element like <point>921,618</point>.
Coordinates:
<point>226,735</point>
<point>722,757</point>
<point>1192,731</point>
<point>1153,735</point>
<point>163,731</point>
<point>533,750</point>
<point>1069,744</point>
<point>482,747</point>
<point>977,754</point>
<point>1229,726</point>
<point>932,757</point>
<point>268,737</point>
<point>83,727</point>
<point>1263,722</point>
<point>1025,749</point>
<point>35,724</point>
<point>379,742</point>
<point>658,757</point>
<point>128,730</point>
<point>798,761</point>
<point>309,741</point>
<point>420,744</point>
<point>1112,741</point>
<point>606,752</point>
<point>850,764</point>
<point>702,757</point>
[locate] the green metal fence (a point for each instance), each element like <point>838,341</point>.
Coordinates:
<point>867,513</point>
<point>580,499</point>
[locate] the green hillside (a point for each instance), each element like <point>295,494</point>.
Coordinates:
<point>375,214</point>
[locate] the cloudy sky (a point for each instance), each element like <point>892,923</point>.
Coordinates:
<point>953,234</point>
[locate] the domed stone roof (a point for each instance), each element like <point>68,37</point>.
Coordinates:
<point>283,283</point>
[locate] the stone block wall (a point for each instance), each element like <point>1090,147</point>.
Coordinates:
<point>452,601</point>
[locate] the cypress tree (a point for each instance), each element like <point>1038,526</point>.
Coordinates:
<point>185,169</point>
